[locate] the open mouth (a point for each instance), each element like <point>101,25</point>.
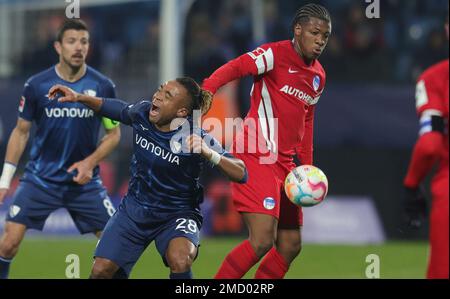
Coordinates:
<point>154,111</point>
<point>317,51</point>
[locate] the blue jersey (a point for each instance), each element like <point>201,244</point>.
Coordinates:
<point>164,175</point>
<point>66,132</point>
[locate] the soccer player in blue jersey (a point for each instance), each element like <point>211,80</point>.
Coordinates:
<point>62,170</point>
<point>162,203</point>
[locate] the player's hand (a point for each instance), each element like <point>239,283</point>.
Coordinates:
<point>67,94</point>
<point>84,172</point>
<point>415,207</point>
<point>3,193</point>
<point>197,145</point>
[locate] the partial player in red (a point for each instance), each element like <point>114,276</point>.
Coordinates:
<point>431,148</point>
<point>288,82</point>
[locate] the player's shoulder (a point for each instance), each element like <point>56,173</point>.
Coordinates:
<point>286,44</point>
<point>436,70</point>
<point>40,77</point>
<point>276,46</point>
<point>140,108</point>
<point>95,75</point>
<point>319,67</point>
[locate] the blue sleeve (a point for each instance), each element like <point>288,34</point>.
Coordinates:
<point>116,109</point>
<point>109,90</point>
<point>27,105</point>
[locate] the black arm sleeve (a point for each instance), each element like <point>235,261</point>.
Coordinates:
<point>116,109</point>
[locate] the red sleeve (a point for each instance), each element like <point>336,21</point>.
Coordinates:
<point>429,101</point>
<point>430,92</point>
<point>305,148</point>
<point>254,63</point>
<point>426,152</point>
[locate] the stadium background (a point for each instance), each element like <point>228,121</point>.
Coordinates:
<point>365,122</point>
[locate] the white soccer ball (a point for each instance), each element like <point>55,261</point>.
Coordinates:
<point>306,186</point>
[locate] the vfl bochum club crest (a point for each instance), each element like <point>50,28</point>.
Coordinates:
<point>90,92</point>
<point>316,83</point>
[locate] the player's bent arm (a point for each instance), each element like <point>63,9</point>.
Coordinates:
<point>231,167</point>
<point>16,145</point>
<point>234,169</point>
<point>425,154</point>
<point>108,143</point>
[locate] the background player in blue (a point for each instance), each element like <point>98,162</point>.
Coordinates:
<point>164,193</point>
<point>62,169</point>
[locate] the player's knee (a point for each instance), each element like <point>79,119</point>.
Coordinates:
<point>9,246</point>
<point>179,261</point>
<point>292,245</point>
<point>102,271</point>
<point>290,249</point>
<point>295,248</point>
<point>262,245</point>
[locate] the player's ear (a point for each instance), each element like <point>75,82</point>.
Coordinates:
<point>297,29</point>
<point>182,113</point>
<point>57,46</point>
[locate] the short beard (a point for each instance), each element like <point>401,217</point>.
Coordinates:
<point>74,68</point>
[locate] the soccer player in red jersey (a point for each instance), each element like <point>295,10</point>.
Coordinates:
<point>431,148</point>
<point>288,82</point>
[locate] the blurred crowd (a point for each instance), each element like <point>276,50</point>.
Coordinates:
<point>395,48</point>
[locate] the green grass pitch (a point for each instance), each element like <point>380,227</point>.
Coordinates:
<point>46,258</point>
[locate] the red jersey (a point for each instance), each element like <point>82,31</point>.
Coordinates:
<point>283,97</point>
<point>432,99</point>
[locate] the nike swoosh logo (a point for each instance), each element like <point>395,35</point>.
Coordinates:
<point>291,71</point>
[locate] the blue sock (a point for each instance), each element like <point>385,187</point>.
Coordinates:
<point>185,275</point>
<point>4,267</point>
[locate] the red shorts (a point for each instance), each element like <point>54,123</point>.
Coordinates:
<point>264,192</point>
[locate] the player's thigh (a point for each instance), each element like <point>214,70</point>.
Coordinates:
<point>261,192</point>
<point>262,228</point>
<point>291,215</point>
<point>90,210</point>
<point>32,205</point>
<point>122,242</point>
<point>185,229</point>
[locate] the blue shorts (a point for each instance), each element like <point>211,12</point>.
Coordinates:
<point>31,206</point>
<point>124,239</point>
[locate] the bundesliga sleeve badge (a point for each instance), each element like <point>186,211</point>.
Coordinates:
<point>22,104</point>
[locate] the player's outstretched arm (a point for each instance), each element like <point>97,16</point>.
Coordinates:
<point>244,65</point>
<point>233,168</point>
<point>69,95</point>
<point>16,145</point>
<point>110,108</point>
